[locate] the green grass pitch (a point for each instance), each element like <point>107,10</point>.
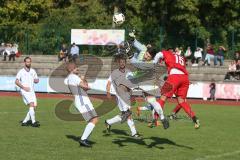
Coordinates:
<point>217,139</point>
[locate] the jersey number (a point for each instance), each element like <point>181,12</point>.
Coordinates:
<point>179,60</point>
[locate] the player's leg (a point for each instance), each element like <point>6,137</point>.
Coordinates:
<point>144,108</point>
<point>122,107</point>
<point>30,100</point>
<point>175,111</point>
<point>110,122</point>
<point>156,106</point>
<point>88,130</point>
<point>167,90</point>
<point>181,97</point>
<point>132,127</point>
<point>85,107</point>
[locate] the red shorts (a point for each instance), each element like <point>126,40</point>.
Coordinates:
<point>179,84</point>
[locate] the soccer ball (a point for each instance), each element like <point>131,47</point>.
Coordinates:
<point>118,18</point>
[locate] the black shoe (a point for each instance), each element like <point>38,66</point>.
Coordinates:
<point>84,143</point>
<point>165,123</point>
<point>24,124</point>
<point>125,115</point>
<point>173,117</point>
<point>196,122</point>
<point>36,124</point>
<point>108,126</point>
<point>28,123</point>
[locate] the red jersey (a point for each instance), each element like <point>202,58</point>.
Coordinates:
<point>174,61</point>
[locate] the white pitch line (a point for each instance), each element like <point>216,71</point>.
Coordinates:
<point>219,155</point>
<point>19,112</point>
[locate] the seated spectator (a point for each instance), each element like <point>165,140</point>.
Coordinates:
<point>188,55</point>
<point>63,54</point>
<point>7,51</point>
<point>74,53</point>
<point>219,56</point>
<point>13,51</point>
<point>197,56</point>
<point>209,55</point>
<point>232,71</point>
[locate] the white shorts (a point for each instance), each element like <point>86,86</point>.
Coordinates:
<point>85,107</point>
<point>123,105</point>
<point>29,97</point>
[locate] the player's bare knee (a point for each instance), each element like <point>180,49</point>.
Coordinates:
<point>94,120</point>
<point>31,105</point>
<point>180,100</point>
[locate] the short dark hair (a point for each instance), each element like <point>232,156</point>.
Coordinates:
<point>120,56</point>
<point>27,58</point>
<point>152,51</point>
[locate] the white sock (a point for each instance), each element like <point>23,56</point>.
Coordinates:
<point>115,119</point>
<point>27,118</point>
<point>153,112</point>
<point>157,107</point>
<point>32,114</point>
<point>88,130</point>
<point>144,108</point>
<point>131,126</point>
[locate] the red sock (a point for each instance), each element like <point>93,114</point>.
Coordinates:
<point>161,102</point>
<point>156,116</point>
<point>177,109</point>
<point>187,109</point>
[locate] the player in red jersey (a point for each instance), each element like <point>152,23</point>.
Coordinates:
<point>177,80</point>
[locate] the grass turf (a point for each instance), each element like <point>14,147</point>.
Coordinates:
<point>218,138</point>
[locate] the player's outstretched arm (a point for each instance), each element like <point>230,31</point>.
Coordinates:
<point>158,56</point>
<point>139,46</point>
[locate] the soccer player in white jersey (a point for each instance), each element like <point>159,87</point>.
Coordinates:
<point>122,87</point>
<point>25,79</point>
<point>78,87</point>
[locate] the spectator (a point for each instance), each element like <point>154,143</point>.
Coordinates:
<point>237,56</point>
<point>209,55</point>
<point>188,54</point>
<point>7,51</point>
<point>212,90</point>
<point>2,48</point>
<point>197,56</point>
<point>13,51</point>
<point>63,53</point>
<point>238,70</point>
<point>178,51</point>
<point>232,71</point>
<point>219,55</point>
<point>74,52</point>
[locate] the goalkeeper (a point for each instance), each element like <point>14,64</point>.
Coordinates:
<point>143,58</point>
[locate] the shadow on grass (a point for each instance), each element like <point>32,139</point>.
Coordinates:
<point>77,139</point>
<point>115,131</point>
<point>156,142</point>
<point>160,141</point>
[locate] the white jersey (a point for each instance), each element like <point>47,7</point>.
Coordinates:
<point>73,81</point>
<point>26,78</point>
<point>82,101</point>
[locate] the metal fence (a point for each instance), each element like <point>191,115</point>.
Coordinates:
<point>41,39</point>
